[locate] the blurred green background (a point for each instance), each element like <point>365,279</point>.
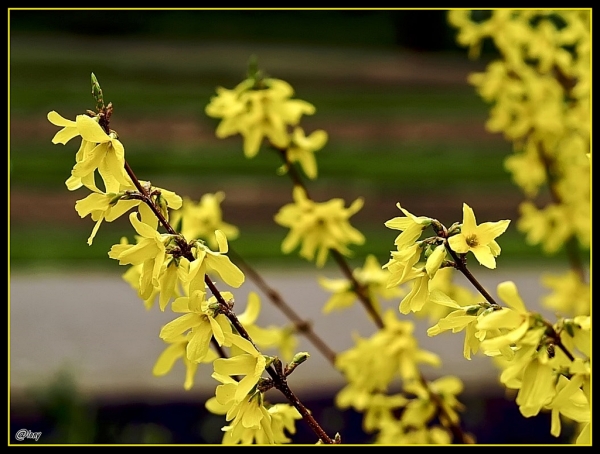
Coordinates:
<point>389,87</point>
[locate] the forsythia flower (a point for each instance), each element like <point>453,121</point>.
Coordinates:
<point>257,111</point>
<point>254,421</point>
<point>570,401</point>
<point>111,204</point>
<point>69,130</point>
<point>107,148</point>
<point>251,364</point>
<point>177,349</point>
<point>200,220</point>
<point>570,295</point>
<point>515,320</point>
<point>411,226</point>
<point>479,239</point>
<point>319,226</point>
<point>272,336</point>
<point>149,251</point>
<point>398,354</point>
<point>462,318</point>
<point>302,148</point>
<point>208,260</point>
<point>371,275</point>
<point>201,321</point>
<point>420,410</point>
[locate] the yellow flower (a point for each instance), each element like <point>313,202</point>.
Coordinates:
<point>302,148</point>
<point>570,296</point>
<point>177,349</point>
<point>538,387</point>
<point>418,295</point>
<point>371,276</point>
<point>411,226</point>
<point>319,226</point>
<point>401,265</point>
<point>69,128</point>
<point>68,132</point>
<point>272,336</point>
<point>569,401</point>
<point>258,113</point>
<point>201,321</point>
<point>514,321</point>
<point>110,204</point>
<point>398,353</point>
<point>461,318</point>
<point>200,220</point>
<point>149,251</point>
<point>208,260</point>
<point>420,410</point>
<point>108,150</point>
<point>478,239</point>
<point>251,364</point>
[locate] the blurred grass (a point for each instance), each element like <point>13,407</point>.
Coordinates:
<point>167,80</point>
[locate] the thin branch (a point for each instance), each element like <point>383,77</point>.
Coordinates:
<point>461,265</point>
<point>275,297</point>
<point>280,382</point>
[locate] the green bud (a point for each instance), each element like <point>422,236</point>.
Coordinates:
<point>569,328</point>
<point>114,198</point>
<point>299,358</point>
<point>454,229</point>
<point>97,93</point>
<point>162,204</point>
<point>473,310</point>
<point>269,360</point>
<point>215,307</point>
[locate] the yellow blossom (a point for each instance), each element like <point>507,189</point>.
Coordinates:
<point>411,226</point>
<point>258,111</point>
<point>176,350</point>
<point>201,321</point>
<point>209,260</point>
<point>200,220</point>
<point>513,320</point>
<point>272,336</point>
<point>318,226</point>
<point>478,239</point>
<point>570,296</point>
<point>251,364</point>
<point>149,251</point>
<point>301,149</point>
<point>108,150</point>
<point>371,276</point>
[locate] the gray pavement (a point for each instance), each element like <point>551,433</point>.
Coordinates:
<point>96,327</point>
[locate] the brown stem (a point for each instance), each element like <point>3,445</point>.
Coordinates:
<point>282,386</point>
<point>279,380</point>
<point>301,325</point>
<point>461,265</point>
<point>359,289</point>
<point>280,383</point>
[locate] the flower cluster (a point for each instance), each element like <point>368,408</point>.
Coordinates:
<point>320,227</point>
<point>262,108</point>
<point>540,90</point>
<point>174,268</point>
<point>405,263</point>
